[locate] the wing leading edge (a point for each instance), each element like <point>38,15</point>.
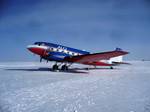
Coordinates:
<point>95,59</point>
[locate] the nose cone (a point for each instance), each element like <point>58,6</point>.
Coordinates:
<point>31,48</point>
<point>37,49</point>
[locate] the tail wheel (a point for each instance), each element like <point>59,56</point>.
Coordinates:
<point>111,67</point>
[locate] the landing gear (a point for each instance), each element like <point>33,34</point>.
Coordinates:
<point>64,68</point>
<point>55,67</point>
<point>87,69</point>
<point>111,67</point>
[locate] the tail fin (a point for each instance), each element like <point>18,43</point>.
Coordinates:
<point>118,59</point>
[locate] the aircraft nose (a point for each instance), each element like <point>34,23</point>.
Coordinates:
<point>36,49</point>
<point>31,48</point>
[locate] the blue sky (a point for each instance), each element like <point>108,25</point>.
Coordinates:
<point>94,25</point>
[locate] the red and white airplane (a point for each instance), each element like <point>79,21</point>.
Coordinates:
<point>66,56</point>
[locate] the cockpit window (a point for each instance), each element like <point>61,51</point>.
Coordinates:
<point>37,43</point>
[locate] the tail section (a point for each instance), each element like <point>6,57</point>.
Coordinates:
<point>118,59</point>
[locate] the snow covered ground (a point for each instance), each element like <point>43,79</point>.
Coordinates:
<point>32,87</point>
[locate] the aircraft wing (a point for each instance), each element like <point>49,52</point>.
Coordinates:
<point>94,59</point>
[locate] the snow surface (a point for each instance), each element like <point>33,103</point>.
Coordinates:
<point>32,87</point>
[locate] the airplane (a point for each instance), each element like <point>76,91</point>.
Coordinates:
<point>66,56</point>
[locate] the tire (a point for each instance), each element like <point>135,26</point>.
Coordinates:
<point>64,68</point>
<point>55,67</point>
<point>111,67</point>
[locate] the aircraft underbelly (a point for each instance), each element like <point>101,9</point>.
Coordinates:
<point>56,56</point>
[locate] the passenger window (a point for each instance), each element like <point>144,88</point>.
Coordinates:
<point>70,53</point>
<point>43,44</point>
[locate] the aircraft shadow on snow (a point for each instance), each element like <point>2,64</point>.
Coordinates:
<point>72,70</point>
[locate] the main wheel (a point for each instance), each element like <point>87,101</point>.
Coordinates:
<point>55,67</point>
<point>87,68</point>
<point>64,68</point>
